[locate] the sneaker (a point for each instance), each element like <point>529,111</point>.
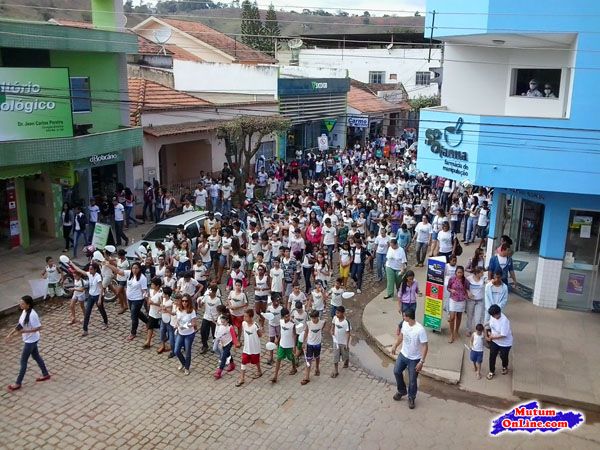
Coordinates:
<point>398,396</point>
<point>411,403</point>
<point>180,368</point>
<point>358,291</point>
<point>203,350</point>
<point>186,372</point>
<point>231,367</point>
<point>171,355</point>
<point>218,374</point>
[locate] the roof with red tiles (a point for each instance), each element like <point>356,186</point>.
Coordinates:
<point>367,102</point>
<point>146,95</point>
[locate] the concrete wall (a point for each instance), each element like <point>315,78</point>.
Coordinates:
<point>401,62</point>
<point>164,77</point>
<point>330,71</point>
<point>185,160</point>
<point>221,77</point>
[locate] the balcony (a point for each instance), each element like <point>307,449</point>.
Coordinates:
<point>68,149</point>
<point>509,152</point>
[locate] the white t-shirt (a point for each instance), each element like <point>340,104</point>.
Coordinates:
<point>477,342</point>
<point>412,338</point>
<point>187,287</point>
<point>201,196</point>
<point>210,307</point>
<point>226,190</point>
<point>119,210</point>
<point>135,288</point>
<point>482,221</point>
<point>315,332</point>
<point>250,190</point>
<point>276,279</point>
<point>501,327</point>
<point>276,311</point>
<point>184,322</point>
<point>382,244</point>
<point>395,258</point>
<point>287,339</point>
<point>445,240</point>
<point>336,296</point>
<point>34,322</point>
<point>318,300</point>
<point>341,329</point>
<point>200,272</point>
<point>155,302</point>
<point>94,283</point>
<point>52,274</point>
<point>236,300</point>
<point>251,339</point>
<point>476,288</point>
<point>329,234</point>
<point>122,264</point>
<point>94,210</point>
<point>167,304</point>
<point>423,232</point>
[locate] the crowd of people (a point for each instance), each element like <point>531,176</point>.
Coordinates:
<point>283,268</point>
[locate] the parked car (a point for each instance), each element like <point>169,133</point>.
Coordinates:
<point>192,222</point>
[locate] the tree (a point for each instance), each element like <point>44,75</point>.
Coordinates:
<point>243,137</point>
<point>423,101</point>
<point>270,30</point>
<point>366,17</point>
<point>128,6</point>
<point>342,13</point>
<point>251,25</point>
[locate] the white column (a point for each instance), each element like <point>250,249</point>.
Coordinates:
<point>547,281</point>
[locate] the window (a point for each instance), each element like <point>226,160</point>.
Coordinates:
<point>192,230</point>
<point>541,83</point>
<point>376,77</point>
<point>423,78</point>
<point>81,99</point>
<point>393,76</point>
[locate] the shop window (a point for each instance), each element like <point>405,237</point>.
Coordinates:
<point>81,98</point>
<point>423,78</point>
<point>536,83</point>
<point>377,77</point>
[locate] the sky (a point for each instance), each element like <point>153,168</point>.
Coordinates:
<point>379,7</point>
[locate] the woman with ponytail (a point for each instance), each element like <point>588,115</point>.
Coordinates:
<point>29,327</point>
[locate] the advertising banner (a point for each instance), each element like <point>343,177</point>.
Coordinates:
<point>433,313</point>
<point>34,104</point>
<point>436,268</point>
<point>100,237</point>
<point>358,121</point>
<point>434,291</point>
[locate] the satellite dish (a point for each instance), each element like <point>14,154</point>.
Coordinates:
<point>162,35</point>
<point>295,43</point>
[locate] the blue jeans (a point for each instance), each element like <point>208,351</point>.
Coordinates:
<point>158,212</point>
<point>167,333</point>
<point>214,204</point>
<point>135,310</point>
<point>403,363</point>
<point>356,273</point>
<point>181,342</point>
<point>90,301</point>
<point>470,234</point>
<point>77,235</point>
<point>90,233</point>
<point>380,265</point>
<point>129,217</point>
<point>148,209</point>
<point>226,207</point>
<point>30,349</point>
<point>224,355</point>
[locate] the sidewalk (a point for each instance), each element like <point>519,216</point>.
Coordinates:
<point>22,265</point>
<point>555,356</point>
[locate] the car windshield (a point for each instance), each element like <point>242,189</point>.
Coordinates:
<point>159,232</point>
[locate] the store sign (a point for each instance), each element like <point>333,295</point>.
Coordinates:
<point>316,85</point>
<point>34,104</point>
<point>358,121</point>
<point>307,86</point>
<point>444,144</point>
<point>109,157</point>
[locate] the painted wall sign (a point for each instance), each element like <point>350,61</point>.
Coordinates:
<point>97,159</point>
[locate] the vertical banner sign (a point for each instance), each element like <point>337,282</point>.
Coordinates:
<point>13,216</point>
<point>100,237</point>
<point>434,293</point>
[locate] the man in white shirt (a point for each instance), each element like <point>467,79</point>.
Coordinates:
<point>94,212</point>
<point>329,238</point>
<point>500,338</point>
<point>382,241</point>
<point>226,191</point>
<point>395,263</point>
<point>413,338</point>
<point>423,232</point>
<point>200,196</point>
<point>119,212</point>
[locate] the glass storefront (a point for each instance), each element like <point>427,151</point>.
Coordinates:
<point>522,221</point>
<point>580,279</point>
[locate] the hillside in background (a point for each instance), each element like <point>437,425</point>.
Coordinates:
<point>226,20</point>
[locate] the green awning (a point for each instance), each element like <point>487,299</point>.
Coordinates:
<point>21,171</point>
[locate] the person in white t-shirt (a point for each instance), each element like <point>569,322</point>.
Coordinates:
<point>500,338</point>
<point>251,348</point>
<point>413,338</point>
<point>29,327</point>
<point>200,197</point>
<point>209,301</point>
<point>154,312</point>
<point>382,242</point>
<point>186,332</point>
<point>423,233</point>
<point>287,342</point>
<point>250,186</point>
<point>340,332</point>
<point>311,344</point>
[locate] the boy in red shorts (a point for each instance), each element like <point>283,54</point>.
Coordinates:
<point>251,333</point>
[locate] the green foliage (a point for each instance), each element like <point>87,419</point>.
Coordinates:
<point>269,31</point>
<point>423,101</point>
<point>251,27</point>
<point>128,6</point>
<point>243,137</point>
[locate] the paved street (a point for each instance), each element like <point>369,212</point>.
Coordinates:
<point>108,393</point>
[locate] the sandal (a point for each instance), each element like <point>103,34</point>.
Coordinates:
<point>304,382</point>
<point>13,387</point>
<point>273,380</point>
<point>43,378</point>
<point>239,383</point>
<point>317,372</point>
<point>293,372</point>
<point>257,376</point>
<point>489,376</point>
<point>334,375</point>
